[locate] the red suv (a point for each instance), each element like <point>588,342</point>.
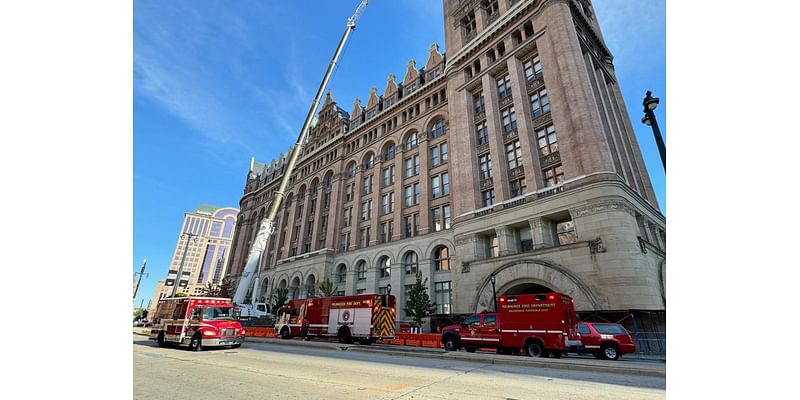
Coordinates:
<point>605,340</point>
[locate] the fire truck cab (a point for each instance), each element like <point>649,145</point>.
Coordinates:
<point>364,318</point>
<point>541,324</point>
<point>197,322</point>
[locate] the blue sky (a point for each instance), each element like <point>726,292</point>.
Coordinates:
<point>216,83</point>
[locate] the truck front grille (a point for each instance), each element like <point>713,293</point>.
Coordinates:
<point>227,332</point>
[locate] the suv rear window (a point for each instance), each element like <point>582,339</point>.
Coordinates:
<point>611,329</point>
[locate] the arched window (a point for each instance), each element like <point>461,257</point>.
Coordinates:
<point>294,290</point>
<point>369,161</point>
<point>411,263</point>
<point>411,141</point>
<point>351,169</point>
<point>361,270</point>
<point>438,129</point>
<point>341,273</point>
<point>311,287</point>
<point>441,258</point>
<point>388,153</point>
<point>385,267</point>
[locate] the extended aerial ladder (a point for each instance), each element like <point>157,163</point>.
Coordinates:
<point>252,269</point>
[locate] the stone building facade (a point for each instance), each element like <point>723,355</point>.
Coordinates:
<point>511,156</point>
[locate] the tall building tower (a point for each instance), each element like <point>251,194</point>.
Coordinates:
<point>508,165</point>
<point>204,246</point>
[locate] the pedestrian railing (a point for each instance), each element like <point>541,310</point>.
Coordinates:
<point>654,343</point>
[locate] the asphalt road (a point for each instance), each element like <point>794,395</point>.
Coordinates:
<point>273,370</point>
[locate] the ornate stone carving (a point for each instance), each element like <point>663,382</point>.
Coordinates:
<point>602,206</point>
<point>596,246</point>
<point>464,267</point>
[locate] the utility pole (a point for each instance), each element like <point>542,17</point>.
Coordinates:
<point>189,237</point>
<point>141,273</point>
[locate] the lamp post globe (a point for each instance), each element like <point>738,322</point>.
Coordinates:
<point>650,103</point>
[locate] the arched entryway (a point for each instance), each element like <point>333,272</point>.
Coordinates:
<point>536,276</point>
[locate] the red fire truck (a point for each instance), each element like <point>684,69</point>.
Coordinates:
<point>364,318</point>
<point>197,322</point>
<point>538,323</point>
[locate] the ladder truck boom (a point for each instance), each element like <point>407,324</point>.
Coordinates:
<point>252,270</point>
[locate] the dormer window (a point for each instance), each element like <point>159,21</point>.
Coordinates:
<point>410,88</point>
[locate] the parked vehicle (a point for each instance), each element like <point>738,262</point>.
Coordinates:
<point>541,324</point>
<point>364,318</point>
<point>197,322</point>
<point>605,340</point>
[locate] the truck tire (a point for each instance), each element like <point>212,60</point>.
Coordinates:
<point>196,344</point>
<point>344,335</point>
<point>161,341</point>
<point>285,334</point>
<point>451,343</point>
<point>609,352</point>
<point>470,349</point>
<point>534,349</point>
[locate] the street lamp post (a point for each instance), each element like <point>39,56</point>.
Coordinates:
<point>494,293</point>
<point>649,118</point>
<point>189,237</point>
<point>388,291</point>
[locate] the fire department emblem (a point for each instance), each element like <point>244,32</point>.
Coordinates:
<point>346,315</point>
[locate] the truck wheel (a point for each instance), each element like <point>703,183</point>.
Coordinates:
<point>451,343</point>
<point>285,333</point>
<point>470,349</point>
<point>609,352</point>
<point>344,335</point>
<point>161,342</point>
<point>196,344</point>
<point>534,349</point>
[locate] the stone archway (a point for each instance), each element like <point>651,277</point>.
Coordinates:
<point>522,276</point>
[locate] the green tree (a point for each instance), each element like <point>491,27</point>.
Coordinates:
<point>326,287</point>
<point>278,298</point>
<point>419,305</point>
<point>138,313</point>
<point>227,288</point>
<point>211,290</point>
<point>181,294</point>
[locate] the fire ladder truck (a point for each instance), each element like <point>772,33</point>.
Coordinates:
<point>252,270</point>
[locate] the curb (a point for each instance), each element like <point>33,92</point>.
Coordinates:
<point>471,357</point>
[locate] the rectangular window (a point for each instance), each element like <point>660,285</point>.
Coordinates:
<point>540,103</point>
<point>347,217</point>
<point>548,142</point>
<point>514,154</point>
<point>446,212</point>
<point>386,232</point>
<point>408,195</point>
<point>477,101</point>
<point>518,187</point>
<point>445,184</point>
<point>482,131</point>
<point>443,296</point>
<point>566,232</point>
<point>509,119</point>
<point>436,189</point>
<point>412,166</point>
<point>435,156</point>
<point>485,164</point>
<point>364,237</point>
<point>349,192</point>
<point>493,246</point>
<point>436,219</point>
<point>345,241</point>
<point>488,197</point>
<point>388,176</point>
<point>416,193</point>
<point>361,291</point>
<point>387,203</point>
<point>443,151</point>
<point>411,223</point>
<point>366,186</point>
<point>553,176</point>
<point>504,87</point>
<point>533,69</point>
<point>366,210</point>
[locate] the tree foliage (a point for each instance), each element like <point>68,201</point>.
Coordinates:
<point>279,298</point>
<point>225,289</point>
<point>419,305</point>
<point>326,287</point>
<point>181,294</point>
<point>210,290</point>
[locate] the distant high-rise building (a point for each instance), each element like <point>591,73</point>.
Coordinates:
<point>204,245</point>
<point>510,163</point>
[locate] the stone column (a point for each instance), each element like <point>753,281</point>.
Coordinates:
<point>496,145</point>
<point>354,227</point>
<point>505,238</point>
<point>335,214</point>
<point>542,230</point>
<point>527,134</point>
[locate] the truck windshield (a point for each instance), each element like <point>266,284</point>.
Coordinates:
<point>218,313</point>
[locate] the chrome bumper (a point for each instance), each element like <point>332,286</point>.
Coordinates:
<point>222,341</point>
